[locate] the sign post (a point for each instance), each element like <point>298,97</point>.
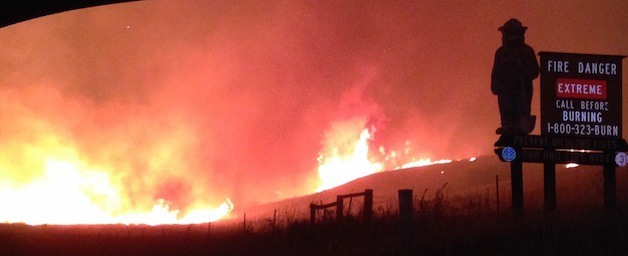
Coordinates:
<point>610,188</point>
<point>581,122</point>
<point>516,181</point>
<point>549,186</point>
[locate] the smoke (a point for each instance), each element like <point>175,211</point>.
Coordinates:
<point>209,99</point>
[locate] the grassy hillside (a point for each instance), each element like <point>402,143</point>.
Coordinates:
<point>465,181</point>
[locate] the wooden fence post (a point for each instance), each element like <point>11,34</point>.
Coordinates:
<point>274,219</point>
<point>405,214</point>
<point>244,223</point>
<point>339,208</point>
<point>368,204</point>
<point>312,213</point>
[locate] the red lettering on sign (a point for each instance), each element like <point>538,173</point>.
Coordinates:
<point>580,88</point>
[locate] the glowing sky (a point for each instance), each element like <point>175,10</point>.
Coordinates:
<point>236,95</point>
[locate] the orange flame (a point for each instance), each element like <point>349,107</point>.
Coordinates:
<point>70,191</point>
<point>339,169</point>
<point>424,162</point>
<point>349,157</point>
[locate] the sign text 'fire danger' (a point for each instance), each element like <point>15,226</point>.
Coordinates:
<point>581,95</point>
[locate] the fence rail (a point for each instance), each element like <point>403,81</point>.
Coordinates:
<point>367,211</point>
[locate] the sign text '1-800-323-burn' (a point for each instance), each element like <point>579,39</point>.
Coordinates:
<point>581,95</point>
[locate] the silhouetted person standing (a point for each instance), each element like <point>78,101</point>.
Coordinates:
<point>514,68</point>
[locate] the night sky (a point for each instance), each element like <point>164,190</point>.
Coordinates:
<point>232,98</point>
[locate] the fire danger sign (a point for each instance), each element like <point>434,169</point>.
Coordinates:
<point>581,95</point>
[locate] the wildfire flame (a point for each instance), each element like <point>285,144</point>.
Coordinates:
<point>424,162</point>
<point>349,158</point>
<point>339,169</point>
<point>69,191</point>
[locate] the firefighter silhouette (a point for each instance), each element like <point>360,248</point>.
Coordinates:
<point>514,68</point>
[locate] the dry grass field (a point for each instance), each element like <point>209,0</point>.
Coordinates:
<point>454,213</point>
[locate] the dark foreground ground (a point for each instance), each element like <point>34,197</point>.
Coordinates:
<point>434,232</point>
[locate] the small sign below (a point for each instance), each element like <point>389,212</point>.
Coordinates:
<point>561,156</point>
<point>509,154</point>
<point>621,159</point>
<point>555,142</point>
